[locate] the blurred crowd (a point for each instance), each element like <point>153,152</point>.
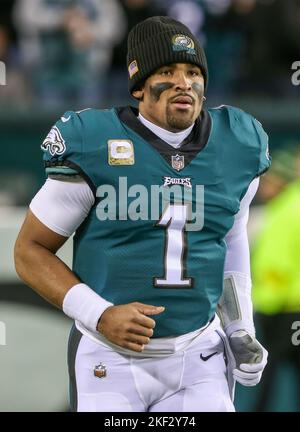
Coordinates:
<point>73,52</point>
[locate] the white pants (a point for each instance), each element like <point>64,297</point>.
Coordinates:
<point>180,382</point>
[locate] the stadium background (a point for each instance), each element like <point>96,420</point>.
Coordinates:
<point>70,54</point>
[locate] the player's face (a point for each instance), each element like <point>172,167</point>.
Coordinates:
<point>172,96</point>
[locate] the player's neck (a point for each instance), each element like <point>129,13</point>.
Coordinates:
<point>173,138</point>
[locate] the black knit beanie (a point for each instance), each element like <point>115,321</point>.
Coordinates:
<point>158,41</point>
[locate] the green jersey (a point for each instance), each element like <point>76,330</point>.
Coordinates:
<point>156,231</point>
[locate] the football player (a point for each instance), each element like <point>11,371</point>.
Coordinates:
<point>158,198</point>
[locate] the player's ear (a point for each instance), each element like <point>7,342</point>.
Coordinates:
<point>138,94</point>
<point>139,91</point>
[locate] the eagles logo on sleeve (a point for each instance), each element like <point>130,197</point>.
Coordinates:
<point>54,142</point>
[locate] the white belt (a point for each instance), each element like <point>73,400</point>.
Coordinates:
<point>157,347</point>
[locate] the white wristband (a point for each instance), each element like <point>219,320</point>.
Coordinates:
<point>83,304</point>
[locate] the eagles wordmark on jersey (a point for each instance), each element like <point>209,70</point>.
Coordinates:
<point>127,254</point>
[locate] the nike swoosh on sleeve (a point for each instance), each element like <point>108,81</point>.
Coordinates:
<point>65,119</point>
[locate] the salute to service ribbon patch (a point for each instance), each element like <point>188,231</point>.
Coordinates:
<point>120,152</point>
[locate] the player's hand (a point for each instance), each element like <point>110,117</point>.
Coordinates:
<point>250,358</point>
<point>128,325</point>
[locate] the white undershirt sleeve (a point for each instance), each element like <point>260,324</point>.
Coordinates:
<point>235,305</point>
<point>62,205</point>
<point>238,256</point>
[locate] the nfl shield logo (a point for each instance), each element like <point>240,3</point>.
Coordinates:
<point>100,370</point>
<point>178,162</point>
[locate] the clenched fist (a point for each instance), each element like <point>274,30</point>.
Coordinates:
<point>129,325</point>
<point>250,358</point>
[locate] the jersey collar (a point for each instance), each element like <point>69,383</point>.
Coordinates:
<point>191,145</point>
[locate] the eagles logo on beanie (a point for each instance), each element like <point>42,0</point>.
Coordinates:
<point>159,41</point>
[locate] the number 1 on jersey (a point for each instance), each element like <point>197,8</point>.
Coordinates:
<point>173,220</point>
